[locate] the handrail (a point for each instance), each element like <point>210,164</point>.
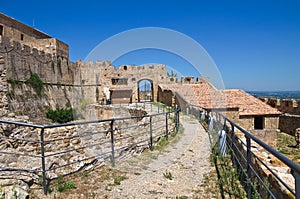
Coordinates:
<point>111,144</point>
<point>225,123</point>
<point>274,152</point>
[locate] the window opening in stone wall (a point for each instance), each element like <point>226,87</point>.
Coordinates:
<point>119,81</point>
<point>1,30</point>
<point>125,67</point>
<point>258,122</point>
<point>22,37</point>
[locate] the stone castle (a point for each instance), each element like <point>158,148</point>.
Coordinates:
<point>25,51</point>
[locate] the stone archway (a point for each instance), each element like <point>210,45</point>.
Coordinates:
<point>145,90</point>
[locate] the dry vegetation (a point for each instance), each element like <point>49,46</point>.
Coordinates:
<point>286,144</point>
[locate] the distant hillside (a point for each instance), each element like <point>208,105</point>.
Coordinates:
<point>276,94</point>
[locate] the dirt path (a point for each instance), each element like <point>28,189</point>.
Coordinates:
<point>177,171</point>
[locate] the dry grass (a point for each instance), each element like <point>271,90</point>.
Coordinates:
<point>286,144</point>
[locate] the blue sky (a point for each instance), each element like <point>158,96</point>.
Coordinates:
<point>255,44</point>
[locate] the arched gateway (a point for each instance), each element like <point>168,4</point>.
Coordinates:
<point>129,84</point>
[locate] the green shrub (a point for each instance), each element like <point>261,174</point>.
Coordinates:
<point>63,185</point>
<point>36,83</point>
<point>119,179</point>
<point>61,115</point>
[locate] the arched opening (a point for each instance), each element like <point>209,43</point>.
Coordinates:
<point>145,90</point>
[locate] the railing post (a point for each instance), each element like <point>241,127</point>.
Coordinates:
<point>248,142</point>
<point>233,156</point>
<point>178,118</point>
<point>224,125</point>
<point>297,183</point>
<point>43,161</point>
<point>222,142</point>
<point>167,129</point>
<point>211,125</point>
<point>151,139</point>
<point>232,136</point>
<point>112,143</point>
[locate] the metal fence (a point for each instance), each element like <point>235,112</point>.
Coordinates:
<point>257,176</point>
<point>47,151</point>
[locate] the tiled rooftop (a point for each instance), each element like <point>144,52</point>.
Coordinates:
<point>248,104</point>
<point>206,96</point>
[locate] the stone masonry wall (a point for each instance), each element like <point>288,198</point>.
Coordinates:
<point>289,123</point>
<point>3,88</point>
<point>81,83</point>
<point>290,106</point>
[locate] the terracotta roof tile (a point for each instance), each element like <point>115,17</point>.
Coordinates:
<point>248,104</point>
<point>206,96</point>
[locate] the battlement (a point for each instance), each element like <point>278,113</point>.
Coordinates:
<point>290,106</point>
<point>7,46</point>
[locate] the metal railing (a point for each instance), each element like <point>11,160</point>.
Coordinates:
<point>153,107</point>
<point>259,179</point>
<point>59,149</point>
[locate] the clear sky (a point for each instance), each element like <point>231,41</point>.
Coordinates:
<point>255,44</point>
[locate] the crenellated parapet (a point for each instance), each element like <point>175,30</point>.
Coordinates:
<point>291,106</point>
<point>22,60</point>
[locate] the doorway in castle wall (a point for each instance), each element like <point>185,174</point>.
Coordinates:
<point>145,90</point>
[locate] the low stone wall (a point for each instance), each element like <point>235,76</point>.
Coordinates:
<point>289,123</point>
<point>82,146</point>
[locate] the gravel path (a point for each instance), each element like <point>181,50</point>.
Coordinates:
<point>186,159</point>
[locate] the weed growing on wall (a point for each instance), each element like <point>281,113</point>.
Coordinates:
<point>36,83</point>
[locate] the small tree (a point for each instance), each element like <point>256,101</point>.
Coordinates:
<point>172,74</point>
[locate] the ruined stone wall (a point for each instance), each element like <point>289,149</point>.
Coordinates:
<point>3,88</point>
<point>166,97</point>
<point>290,106</point>
<point>289,123</point>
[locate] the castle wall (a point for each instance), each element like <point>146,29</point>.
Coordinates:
<point>166,97</point>
<point>290,106</point>
<point>86,81</point>
<point>3,88</point>
<point>17,31</point>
